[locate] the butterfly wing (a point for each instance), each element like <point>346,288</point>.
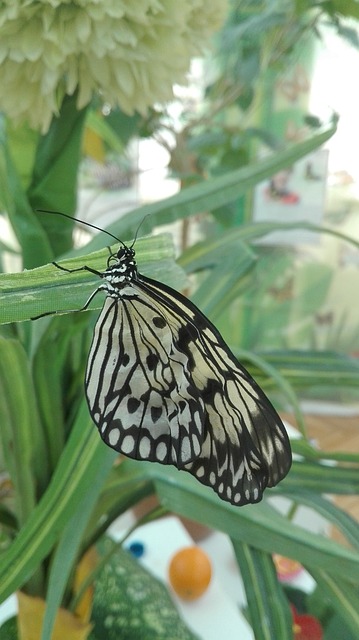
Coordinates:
<point>162,385</point>
<point>246,446</point>
<point>138,385</point>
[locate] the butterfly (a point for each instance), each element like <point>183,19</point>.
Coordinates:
<point>162,385</point>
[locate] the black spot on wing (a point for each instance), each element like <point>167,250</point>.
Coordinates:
<point>123,359</point>
<point>152,361</point>
<point>159,322</point>
<point>133,404</point>
<point>156,413</point>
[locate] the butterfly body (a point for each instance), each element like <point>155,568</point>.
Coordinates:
<point>162,385</point>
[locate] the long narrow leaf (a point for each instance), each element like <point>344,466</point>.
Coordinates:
<point>342,594</point>
<point>51,373</point>
<point>308,368</point>
<point>259,525</point>
<point>68,547</point>
<point>211,253</point>
<point>348,526</point>
<point>55,172</point>
<point>321,478</point>
<point>249,233</point>
<point>213,193</point>
<point>223,283</point>
<point>268,607</point>
<point>47,370</point>
<point>99,125</point>
<point>306,450</point>
<point>21,436</point>
<point>30,234</point>
<point>121,501</point>
<point>82,456</point>
<point>48,289</point>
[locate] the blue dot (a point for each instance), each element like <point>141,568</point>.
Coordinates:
<point>137,549</point>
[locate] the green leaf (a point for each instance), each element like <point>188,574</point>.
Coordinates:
<point>260,525</point>
<point>210,194</point>
<point>125,127</point>
<point>48,289</point>
<point>249,233</point>
<point>321,478</point>
<point>349,8</point>
<point>55,381</point>
<point>268,608</point>
<point>22,141</point>
<point>211,252</point>
<point>21,432</point>
<point>306,368</point>
<point>68,547</point>
<point>83,455</point>
<point>30,234</point>
<point>331,512</point>
<point>8,519</point>
<point>224,282</point>
<point>342,594</point>
<point>8,630</point>
<point>120,493</point>
<point>306,450</point>
<point>54,179</point>
<point>99,124</point>
<point>335,628</point>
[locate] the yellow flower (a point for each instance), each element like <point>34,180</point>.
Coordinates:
<point>130,52</point>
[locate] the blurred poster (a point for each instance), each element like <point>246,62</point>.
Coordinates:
<point>294,194</point>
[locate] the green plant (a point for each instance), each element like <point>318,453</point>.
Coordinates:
<point>68,505</point>
<point>66,487</point>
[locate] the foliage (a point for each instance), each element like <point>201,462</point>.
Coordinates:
<point>220,129</point>
<point>67,487</point>
<point>68,505</point>
<point>315,605</point>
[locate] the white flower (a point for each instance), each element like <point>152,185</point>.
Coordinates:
<point>131,52</point>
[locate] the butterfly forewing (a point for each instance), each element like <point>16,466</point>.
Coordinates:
<point>139,390</point>
<point>163,386</point>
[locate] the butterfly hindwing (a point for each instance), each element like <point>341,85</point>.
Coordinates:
<point>246,447</point>
<point>140,391</point>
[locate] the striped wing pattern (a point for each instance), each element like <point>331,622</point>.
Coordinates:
<point>163,386</point>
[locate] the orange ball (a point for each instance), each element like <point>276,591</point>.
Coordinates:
<point>190,572</point>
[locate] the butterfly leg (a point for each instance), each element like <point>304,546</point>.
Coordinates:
<point>84,268</point>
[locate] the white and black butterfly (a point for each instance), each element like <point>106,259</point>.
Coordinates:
<point>162,385</point>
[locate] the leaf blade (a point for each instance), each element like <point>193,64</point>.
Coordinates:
<point>268,608</point>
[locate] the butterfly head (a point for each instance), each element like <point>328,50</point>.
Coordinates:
<point>126,255</point>
<point>124,268</point>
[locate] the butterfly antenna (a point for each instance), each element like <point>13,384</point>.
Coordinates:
<point>88,224</point>
<point>138,228</point>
